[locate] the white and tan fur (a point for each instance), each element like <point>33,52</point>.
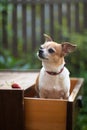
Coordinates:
<point>52,56</point>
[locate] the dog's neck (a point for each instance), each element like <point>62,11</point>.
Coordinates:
<point>52,68</point>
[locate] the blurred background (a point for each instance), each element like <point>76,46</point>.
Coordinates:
<point>22,25</point>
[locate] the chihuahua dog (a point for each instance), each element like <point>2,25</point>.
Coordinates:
<point>53,80</point>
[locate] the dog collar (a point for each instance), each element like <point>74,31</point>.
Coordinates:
<point>55,73</point>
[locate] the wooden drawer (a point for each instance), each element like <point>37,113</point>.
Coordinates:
<point>20,109</point>
<point>52,114</point>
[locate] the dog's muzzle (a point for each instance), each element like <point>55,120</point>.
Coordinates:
<point>41,54</point>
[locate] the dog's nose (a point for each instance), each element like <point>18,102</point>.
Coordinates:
<point>40,51</point>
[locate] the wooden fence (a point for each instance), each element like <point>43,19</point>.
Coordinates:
<point>23,22</point>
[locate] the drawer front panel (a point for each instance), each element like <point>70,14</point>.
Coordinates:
<point>45,114</point>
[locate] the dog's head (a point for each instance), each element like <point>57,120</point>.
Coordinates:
<point>54,52</point>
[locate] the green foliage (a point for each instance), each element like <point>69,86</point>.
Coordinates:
<point>77,64</point>
<point>78,59</point>
<point>3,5</point>
<point>7,61</point>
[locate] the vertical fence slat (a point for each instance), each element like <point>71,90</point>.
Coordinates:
<point>77,24</point>
<point>69,16</point>
<point>60,20</point>
<point>85,15</point>
<point>4,28</point>
<point>33,25</point>
<point>24,33</point>
<point>14,29</point>
<point>51,20</point>
<point>42,22</point>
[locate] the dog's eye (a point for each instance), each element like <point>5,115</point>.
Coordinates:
<point>51,50</point>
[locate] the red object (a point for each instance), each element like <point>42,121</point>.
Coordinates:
<point>15,85</point>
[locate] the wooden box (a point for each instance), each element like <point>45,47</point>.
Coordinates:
<point>20,109</point>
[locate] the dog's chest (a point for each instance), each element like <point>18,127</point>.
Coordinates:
<point>51,86</point>
<point>48,81</point>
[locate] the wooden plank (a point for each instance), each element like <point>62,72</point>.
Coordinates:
<point>24,26</point>
<point>14,29</point>
<point>33,25</point>
<point>4,27</point>
<point>69,119</point>
<point>73,82</point>
<point>72,104</point>
<point>77,22</point>
<point>76,89</point>
<point>60,20</point>
<point>45,1</point>
<point>42,6</point>
<point>60,14</point>
<point>44,114</point>
<point>85,15</point>
<point>30,92</point>
<point>24,79</point>
<point>11,110</point>
<point>69,17</point>
<point>51,26</point>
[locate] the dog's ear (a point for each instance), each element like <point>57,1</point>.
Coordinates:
<point>47,38</point>
<point>67,48</point>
